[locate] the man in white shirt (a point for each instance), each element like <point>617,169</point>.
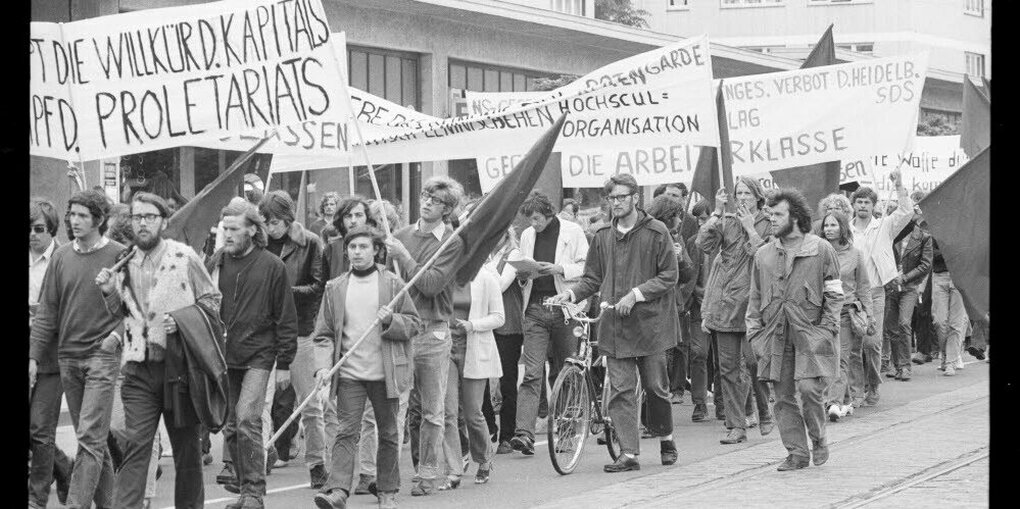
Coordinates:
<point>874,237</point>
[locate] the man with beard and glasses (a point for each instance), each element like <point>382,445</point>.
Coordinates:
<point>793,324</point>
<point>631,263</point>
<point>736,237</point>
<point>73,320</point>
<point>162,277</point>
<point>261,329</point>
<point>874,237</point>
<point>48,461</point>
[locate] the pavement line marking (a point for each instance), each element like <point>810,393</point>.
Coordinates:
<point>953,465</point>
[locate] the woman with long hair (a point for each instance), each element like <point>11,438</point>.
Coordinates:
<point>841,397</point>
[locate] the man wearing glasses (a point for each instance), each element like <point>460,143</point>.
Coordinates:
<point>412,246</point>
<point>162,277</point>
<point>632,263</point>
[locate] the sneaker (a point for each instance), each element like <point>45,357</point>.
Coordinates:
<point>226,476</point>
<point>318,476</point>
<point>871,399</point>
<point>958,364</point>
<point>523,443</point>
<point>667,452</point>
<point>332,499</point>
<point>751,421</point>
<point>451,483</point>
<point>700,410</point>
<point>950,371</point>
<point>387,500</point>
<point>735,436</point>
<point>623,463</point>
<point>905,375</point>
<point>363,482</point>
<point>423,488</point>
<point>794,463</point>
<point>976,353</point>
<point>504,447</point>
<point>834,413</point>
<point>483,473</point>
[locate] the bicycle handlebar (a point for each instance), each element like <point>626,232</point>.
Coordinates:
<point>577,313</point>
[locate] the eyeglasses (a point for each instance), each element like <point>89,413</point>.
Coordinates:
<point>617,198</point>
<point>426,197</point>
<point>37,228</point>
<point>148,218</point>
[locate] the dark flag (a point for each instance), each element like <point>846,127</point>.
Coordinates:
<point>490,219</point>
<point>975,126</point>
<point>706,173</point>
<point>191,223</point>
<point>815,181</point>
<point>725,155</point>
<point>958,213</point>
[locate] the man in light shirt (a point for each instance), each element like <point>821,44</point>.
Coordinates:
<point>874,237</point>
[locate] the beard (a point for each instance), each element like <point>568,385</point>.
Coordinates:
<point>241,244</point>
<point>151,241</point>
<point>786,229</point>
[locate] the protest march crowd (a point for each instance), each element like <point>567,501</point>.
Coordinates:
<point>742,299</point>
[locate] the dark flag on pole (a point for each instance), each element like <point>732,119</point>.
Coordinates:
<point>976,123</point>
<point>490,219</point>
<point>192,222</point>
<point>706,175</point>
<point>958,216</point>
<point>815,181</point>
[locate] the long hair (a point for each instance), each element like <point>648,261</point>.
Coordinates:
<point>846,235</point>
<point>277,205</point>
<point>449,191</point>
<point>755,187</point>
<point>43,208</point>
<point>345,207</point>
<point>325,198</point>
<point>98,207</point>
<point>252,218</point>
<point>376,209</point>
<point>537,201</point>
<point>665,207</point>
<point>836,200</point>
<point>799,209</point>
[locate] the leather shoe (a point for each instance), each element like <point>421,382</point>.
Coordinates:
<point>793,463</point>
<point>700,409</point>
<point>623,463</point>
<point>735,436</point>
<point>667,451</point>
<point>226,475</point>
<point>333,499</point>
<point>766,427</point>
<point>820,454</point>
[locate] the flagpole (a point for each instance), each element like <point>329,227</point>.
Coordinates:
<point>421,270</point>
<point>725,154</point>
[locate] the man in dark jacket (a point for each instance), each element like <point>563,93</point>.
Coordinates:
<point>261,327</point>
<point>692,293</point>
<point>913,255</point>
<point>301,252</point>
<point>162,277</point>
<point>632,263</point>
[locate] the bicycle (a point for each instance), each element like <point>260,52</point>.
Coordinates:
<point>573,412</point>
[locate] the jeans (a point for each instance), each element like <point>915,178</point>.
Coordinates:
<point>699,343</point>
<point>89,386</point>
<point>809,414</point>
<point>350,406</point>
<point>758,391</point>
<point>676,367</point>
<point>509,355</point>
<point>466,395</point>
<point>869,377</point>
<point>428,395</point>
<point>544,330</point>
<point>243,431</point>
<point>623,403</point>
<point>738,377</point>
<point>119,439</point>
<point>369,441</point>
<point>48,461</point>
<point>839,389</point>
<point>283,406</point>
<point>949,315</point>
<point>318,417</point>
<point>143,395</point>
<point>267,406</point>
<point>899,311</point>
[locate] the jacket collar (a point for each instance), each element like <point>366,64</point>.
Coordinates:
<point>809,247</point>
<point>298,237</point>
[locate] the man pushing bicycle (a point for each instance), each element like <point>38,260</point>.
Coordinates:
<point>631,261</point>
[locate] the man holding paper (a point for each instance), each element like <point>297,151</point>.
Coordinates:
<point>557,250</point>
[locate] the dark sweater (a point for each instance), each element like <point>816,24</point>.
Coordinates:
<point>545,251</point>
<point>433,292</point>
<point>72,319</point>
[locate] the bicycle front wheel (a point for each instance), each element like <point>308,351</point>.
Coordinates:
<point>569,418</point>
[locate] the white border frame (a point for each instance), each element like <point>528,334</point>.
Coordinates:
<point>780,3</point>
<point>678,8</point>
<point>830,3</point>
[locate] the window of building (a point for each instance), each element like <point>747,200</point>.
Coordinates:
<point>838,2</point>
<point>575,7</point>
<point>974,7</point>
<point>678,5</point>
<point>768,50</point>
<point>392,75</point>
<point>975,64</point>
<point>726,4</point>
<point>860,47</point>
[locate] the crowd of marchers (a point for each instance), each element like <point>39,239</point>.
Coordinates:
<point>746,300</point>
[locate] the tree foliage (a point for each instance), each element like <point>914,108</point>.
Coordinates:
<point>546,84</point>
<point>936,125</point>
<point>621,11</point>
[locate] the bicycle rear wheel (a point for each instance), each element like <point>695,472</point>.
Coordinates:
<point>569,417</point>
